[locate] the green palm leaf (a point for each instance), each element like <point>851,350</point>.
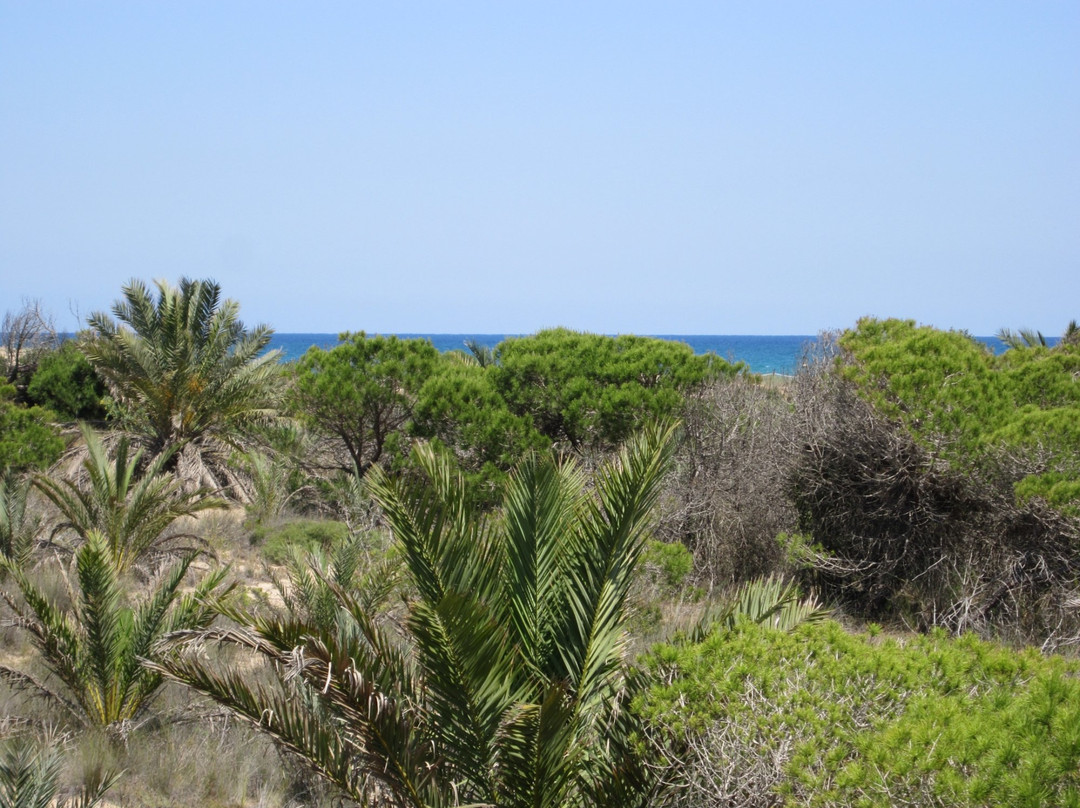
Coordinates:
<point>608,546</point>
<point>18,529</point>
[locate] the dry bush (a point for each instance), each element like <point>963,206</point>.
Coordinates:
<point>25,335</point>
<point>726,499</point>
<point>733,764</point>
<point>900,531</point>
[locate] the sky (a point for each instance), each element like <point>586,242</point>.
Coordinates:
<point>463,167</point>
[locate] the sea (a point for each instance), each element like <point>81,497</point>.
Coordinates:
<point>779,354</point>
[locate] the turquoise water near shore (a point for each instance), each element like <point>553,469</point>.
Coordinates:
<point>764,354</point>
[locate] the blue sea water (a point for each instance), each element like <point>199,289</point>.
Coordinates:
<point>770,354</point>
<point>763,354</point>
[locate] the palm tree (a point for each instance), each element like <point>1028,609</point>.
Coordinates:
<point>131,511</point>
<point>185,373</point>
<point>93,646</point>
<point>510,685</point>
<point>475,354</point>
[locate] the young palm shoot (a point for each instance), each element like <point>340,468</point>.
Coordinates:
<point>510,686</point>
<point>131,511</point>
<point>93,646</point>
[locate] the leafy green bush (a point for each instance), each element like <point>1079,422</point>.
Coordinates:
<point>28,438</point>
<point>820,716</point>
<point>66,383</point>
<point>459,406</point>
<point>944,383</point>
<point>592,391</point>
<point>280,542</point>
<point>362,392</point>
<point>667,564</point>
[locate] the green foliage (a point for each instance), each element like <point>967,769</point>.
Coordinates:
<point>65,382</point>
<point>279,543</point>
<point>316,578</point>
<point>1024,338</point>
<point>510,687</point>
<point>945,384</point>
<point>184,372</point>
<point>28,438</point>
<point>857,720</point>
<point>30,773</point>
<point>131,511</point>
<point>362,391</point>
<point>668,563</point>
<point>1056,489</point>
<point>459,406</point>
<point>593,391</point>
<point>18,528</point>
<point>772,601</point>
<point>94,644</point>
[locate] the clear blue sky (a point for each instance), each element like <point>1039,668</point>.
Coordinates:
<point>669,167</point>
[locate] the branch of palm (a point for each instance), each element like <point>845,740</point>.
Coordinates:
<point>18,528</point>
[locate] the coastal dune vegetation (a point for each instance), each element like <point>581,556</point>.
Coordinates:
<point>567,570</point>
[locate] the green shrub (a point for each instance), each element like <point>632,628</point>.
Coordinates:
<point>946,384</point>
<point>279,542</point>
<point>459,407</point>
<point>820,716</point>
<point>667,564</point>
<point>590,391</point>
<point>28,437</point>
<point>66,383</point>
<point>362,392</point>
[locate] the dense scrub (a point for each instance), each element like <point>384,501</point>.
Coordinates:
<point>905,475</point>
<point>1017,414</point>
<point>367,399</point>
<point>820,716</point>
<point>908,495</point>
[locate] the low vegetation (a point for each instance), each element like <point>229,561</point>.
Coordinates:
<point>822,716</point>
<point>386,576</point>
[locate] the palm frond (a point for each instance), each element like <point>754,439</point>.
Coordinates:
<point>608,547</point>
<point>29,774</point>
<point>18,529</point>
<point>773,601</point>
<point>540,504</point>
